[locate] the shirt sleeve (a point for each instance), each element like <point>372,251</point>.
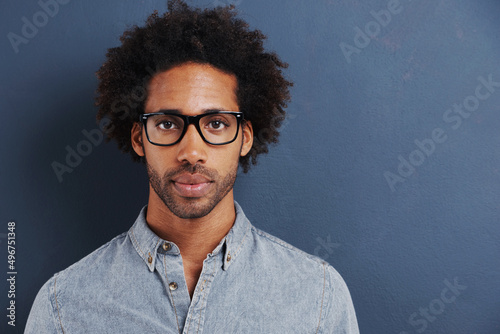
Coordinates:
<point>338,314</point>
<point>42,318</point>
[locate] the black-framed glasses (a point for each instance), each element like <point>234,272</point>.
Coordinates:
<point>215,128</point>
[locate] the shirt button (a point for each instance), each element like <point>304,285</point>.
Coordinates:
<point>150,259</point>
<point>166,246</point>
<point>173,286</point>
<point>228,257</point>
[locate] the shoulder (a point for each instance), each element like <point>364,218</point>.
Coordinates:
<point>99,268</point>
<point>332,297</point>
<point>279,254</point>
<point>99,258</point>
<point>80,277</point>
<point>279,249</point>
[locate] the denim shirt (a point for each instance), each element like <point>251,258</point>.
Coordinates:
<point>252,282</point>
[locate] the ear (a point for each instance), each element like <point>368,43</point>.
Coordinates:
<point>136,139</point>
<point>247,131</point>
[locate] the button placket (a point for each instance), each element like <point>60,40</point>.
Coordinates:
<point>166,247</point>
<point>174,281</point>
<point>198,304</point>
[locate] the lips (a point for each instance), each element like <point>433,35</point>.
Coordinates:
<point>192,185</point>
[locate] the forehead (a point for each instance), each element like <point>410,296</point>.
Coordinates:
<point>192,88</point>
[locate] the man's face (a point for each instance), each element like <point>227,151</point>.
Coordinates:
<point>192,176</point>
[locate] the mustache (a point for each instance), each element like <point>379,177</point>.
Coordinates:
<point>209,173</point>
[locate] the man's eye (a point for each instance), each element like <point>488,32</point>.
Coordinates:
<point>217,125</point>
<point>167,125</point>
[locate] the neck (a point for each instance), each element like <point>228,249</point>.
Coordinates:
<point>196,238</point>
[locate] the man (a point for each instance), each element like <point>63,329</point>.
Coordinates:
<point>192,262</point>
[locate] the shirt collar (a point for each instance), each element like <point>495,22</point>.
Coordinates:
<point>236,237</point>
<point>148,244</point>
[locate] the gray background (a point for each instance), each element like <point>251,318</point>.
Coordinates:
<point>323,188</point>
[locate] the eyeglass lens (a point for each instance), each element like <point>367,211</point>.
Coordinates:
<point>215,128</point>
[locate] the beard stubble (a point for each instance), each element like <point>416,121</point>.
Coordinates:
<point>191,208</point>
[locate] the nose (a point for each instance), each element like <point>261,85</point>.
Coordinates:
<point>192,148</point>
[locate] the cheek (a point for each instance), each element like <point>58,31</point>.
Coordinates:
<point>158,158</point>
<point>226,159</point>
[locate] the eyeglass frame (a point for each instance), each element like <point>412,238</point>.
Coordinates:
<point>195,120</point>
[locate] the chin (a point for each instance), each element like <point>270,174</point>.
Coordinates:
<point>190,208</point>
